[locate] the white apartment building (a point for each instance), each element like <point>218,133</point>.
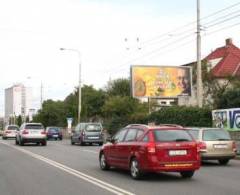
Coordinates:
<point>18,101</point>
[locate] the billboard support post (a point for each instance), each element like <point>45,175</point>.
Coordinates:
<point>149,109</point>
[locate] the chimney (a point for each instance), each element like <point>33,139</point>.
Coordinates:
<point>229,42</point>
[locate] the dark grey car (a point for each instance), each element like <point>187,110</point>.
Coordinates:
<point>87,133</point>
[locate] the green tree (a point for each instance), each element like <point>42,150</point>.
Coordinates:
<point>118,87</point>
<point>19,120</point>
<point>229,99</point>
<point>51,114</point>
<point>92,102</point>
<point>120,111</point>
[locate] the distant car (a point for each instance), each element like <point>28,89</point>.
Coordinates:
<point>54,133</point>
<point>31,133</point>
<point>10,131</point>
<point>141,148</point>
<point>87,133</point>
<point>215,144</point>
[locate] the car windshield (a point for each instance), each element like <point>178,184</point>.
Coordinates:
<point>171,135</point>
<point>34,126</point>
<point>215,135</point>
<point>194,133</point>
<point>93,127</point>
<point>12,128</point>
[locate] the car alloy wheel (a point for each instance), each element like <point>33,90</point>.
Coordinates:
<point>103,163</point>
<point>134,169</point>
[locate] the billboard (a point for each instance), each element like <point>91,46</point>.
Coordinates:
<point>228,119</point>
<point>161,81</point>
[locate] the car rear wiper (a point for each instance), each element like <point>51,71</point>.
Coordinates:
<point>181,140</point>
<point>222,139</point>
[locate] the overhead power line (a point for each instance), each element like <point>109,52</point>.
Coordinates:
<point>191,23</point>
<point>173,39</point>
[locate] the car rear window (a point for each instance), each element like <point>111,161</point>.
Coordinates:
<point>12,128</point>
<point>93,127</point>
<point>215,135</point>
<point>53,129</point>
<point>172,135</point>
<point>194,133</point>
<point>34,127</point>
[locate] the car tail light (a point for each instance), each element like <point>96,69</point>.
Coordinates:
<point>234,147</point>
<point>202,147</point>
<point>151,148</point>
<point>25,132</point>
<point>43,132</point>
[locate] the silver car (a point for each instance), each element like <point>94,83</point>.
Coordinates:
<point>87,133</point>
<point>31,133</point>
<point>214,144</point>
<point>10,131</point>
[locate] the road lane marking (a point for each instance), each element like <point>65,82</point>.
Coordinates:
<point>91,151</point>
<point>109,187</point>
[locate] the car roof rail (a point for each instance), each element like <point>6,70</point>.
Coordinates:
<point>171,125</point>
<point>143,125</point>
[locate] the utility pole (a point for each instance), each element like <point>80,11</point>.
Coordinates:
<point>41,95</point>
<point>199,64</point>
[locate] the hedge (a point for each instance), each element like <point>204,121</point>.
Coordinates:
<point>181,115</point>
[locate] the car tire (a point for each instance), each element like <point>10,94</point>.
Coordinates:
<point>103,163</point>
<point>135,170</point>
<point>187,174</point>
<point>44,143</point>
<point>21,142</point>
<point>72,142</point>
<point>81,143</point>
<point>100,144</point>
<point>223,161</point>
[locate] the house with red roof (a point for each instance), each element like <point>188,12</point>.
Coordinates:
<point>225,61</point>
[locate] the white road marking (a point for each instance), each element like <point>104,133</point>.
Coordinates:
<point>91,151</point>
<point>109,187</point>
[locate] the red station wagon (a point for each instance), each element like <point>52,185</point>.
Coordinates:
<point>141,148</point>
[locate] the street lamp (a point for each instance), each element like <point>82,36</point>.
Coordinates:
<point>79,86</point>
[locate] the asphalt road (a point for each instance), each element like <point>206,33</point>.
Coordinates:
<point>62,169</point>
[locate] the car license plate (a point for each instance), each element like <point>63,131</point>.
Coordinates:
<point>93,137</point>
<point>34,132</point>
<point>220,146</point>
<point>177,152</point>
<point>55,135</point>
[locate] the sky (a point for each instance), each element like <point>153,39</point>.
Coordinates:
<point>110,35</point>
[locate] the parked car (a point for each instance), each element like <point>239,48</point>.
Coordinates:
<point>87,133</point>
<point>141,148</point>
<point>215,144</point>
<point>54,133</point>
<point>10,131</point>
<point>31,133</point>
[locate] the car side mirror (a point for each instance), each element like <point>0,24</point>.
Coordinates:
<point>73,131</point>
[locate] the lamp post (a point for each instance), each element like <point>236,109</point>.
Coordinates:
<point>79,86</point>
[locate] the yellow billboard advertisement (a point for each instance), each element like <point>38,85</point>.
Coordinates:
<point>161,81</point>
